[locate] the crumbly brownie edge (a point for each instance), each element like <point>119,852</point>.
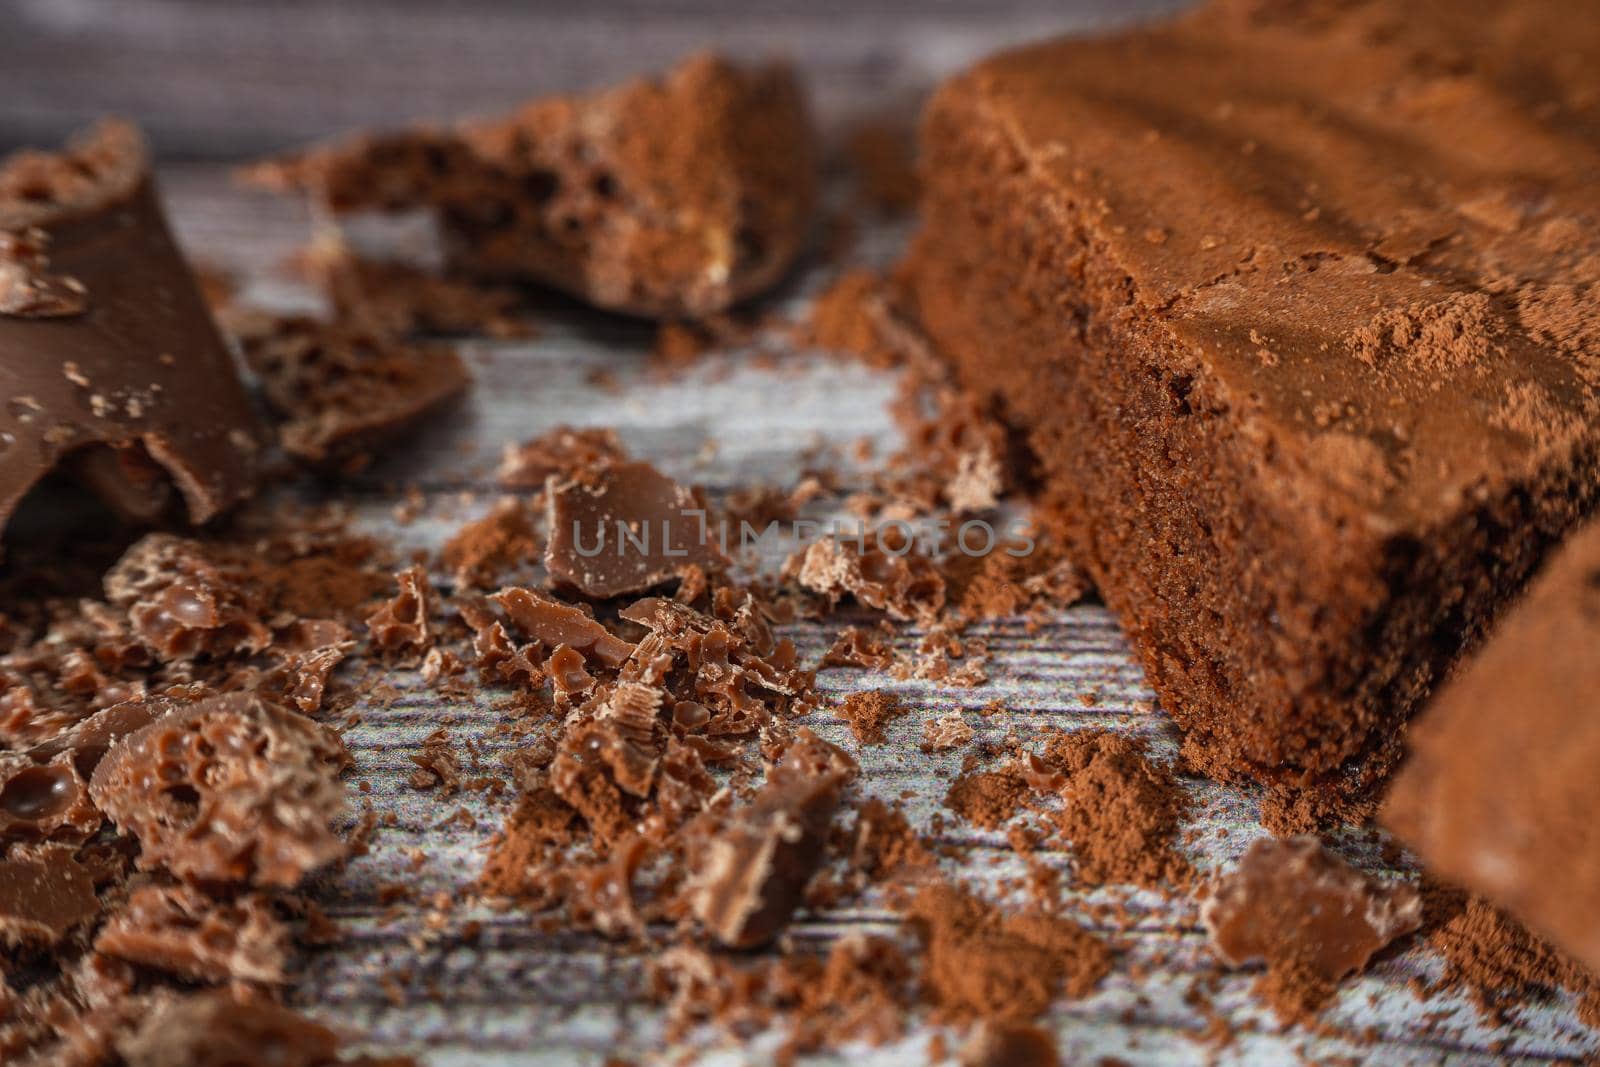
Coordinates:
<point>1179,513</point>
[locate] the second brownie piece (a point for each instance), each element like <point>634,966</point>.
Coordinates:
<point>1296,305</point>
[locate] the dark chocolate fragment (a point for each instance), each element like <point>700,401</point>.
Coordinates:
<point>44,894</point>
<point>110,353</point>
<point>342,388</point>
<point>228,790</point>
<point>625,528</point>
<point>751,871</point>
<point>671,197</point>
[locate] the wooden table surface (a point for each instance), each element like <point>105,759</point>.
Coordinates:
<point>214,79</point>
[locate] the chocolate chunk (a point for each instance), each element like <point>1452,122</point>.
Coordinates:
<point>44,894</point>
<point>402,623</point>
<point>671,197</point>
<point>86,742</point>
<point>552,624</point>
<point>751,870</point>
<point>561,452</point>
<point>111,356</point>
<point>184,932</point>
<point>220,1029</point>
<point>1500,792</point>
<point>45,799</point>
<point>342,388</point>
<point>1307,914</point>
<point>625,528</point>
<point>27,289</point>
<point>229,790</point>
<point>184,600</point>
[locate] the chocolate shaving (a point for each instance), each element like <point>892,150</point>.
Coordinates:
<point>185,933</point>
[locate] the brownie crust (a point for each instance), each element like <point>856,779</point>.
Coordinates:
<point>1292,313</point>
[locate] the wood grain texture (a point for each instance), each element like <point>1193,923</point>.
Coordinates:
<point>223,79</point>
<point>511,994</point>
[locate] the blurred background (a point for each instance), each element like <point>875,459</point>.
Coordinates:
<point>225,79</point>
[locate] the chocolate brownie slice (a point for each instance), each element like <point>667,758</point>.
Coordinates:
<point>1500,792</point>
<point>1296,305</point>
<point>665,197</point>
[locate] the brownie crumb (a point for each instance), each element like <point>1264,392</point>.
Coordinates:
<point>869,712</point>
<point>981,963</point>
<point>1310,917</point>
<point>1121,810</point>
<point>397,300</point>
<point>1497,962</point>
<point>988,799</point>
<point>484,552</point>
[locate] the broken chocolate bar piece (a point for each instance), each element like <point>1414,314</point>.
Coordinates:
<point>228,790</point>
<point>113,370</point>
<point>44,894</point>
<point>751,871</point>
<point>184,932</point>
<point>554,624</point>
<point>625,528</point>
<point>1286,299</point>
<point>1292,899</point>
<point>341,388</point>
<point>1500,790</point>
<point>670,197</point>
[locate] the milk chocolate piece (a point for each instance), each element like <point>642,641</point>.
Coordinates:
<point>1290,898</point>
<point>186,933</point>
<point>1286,299</point>
<point>670,197</point>
<point>1501,792</point>
<point>560,452</point>
<point>751,873</point>
<point>553,624</point>
<point>625,528</point>
<point>44,894</point>
<point>228,790</point>
<point>225,1029</point>
<point>43,795</point>
<point>342,388</point>
<point>109,360</point>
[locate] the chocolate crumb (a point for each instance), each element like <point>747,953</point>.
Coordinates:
<point>869,712</point>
